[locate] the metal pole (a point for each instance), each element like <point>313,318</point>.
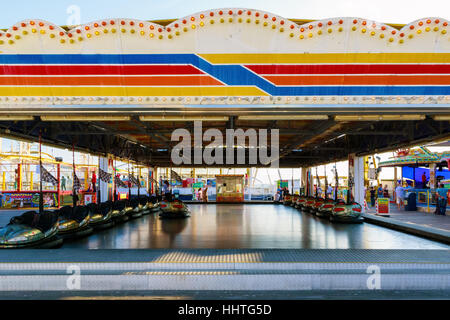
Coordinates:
<point>74,202</point>
<point>129,181</point>
<point>114,180</point>
<point>41,196</point>
<point>99,193</point>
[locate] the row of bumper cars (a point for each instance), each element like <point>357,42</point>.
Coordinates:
<point>74,222</point>
<point>31,230</point>
<point>174,209</point>
<point>101,215</point>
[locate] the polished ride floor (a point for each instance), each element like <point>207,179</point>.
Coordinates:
<point>248,226</point>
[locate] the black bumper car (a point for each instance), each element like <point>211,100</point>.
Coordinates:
<point>118,213</point>
<point>74,222</point>
<point>101,215</point>
<point>133,209</point>
<point>31,230</point>
<point>145,205</point>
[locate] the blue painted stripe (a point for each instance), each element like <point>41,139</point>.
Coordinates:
<point>232,75</point>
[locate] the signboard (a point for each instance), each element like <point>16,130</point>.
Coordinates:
<point>283,184</point>
<point>383,207</point>
<point>372,174</point>
<point>12,200</point>
<point>197,185</point>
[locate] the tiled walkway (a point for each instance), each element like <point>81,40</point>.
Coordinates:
<point>420,218</point>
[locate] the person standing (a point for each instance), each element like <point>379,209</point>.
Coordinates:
<point>385,191</point>
<point>372,196</point>
<point>380,191</point>
<point>63,183</point>
<point>205,194</point>
<point>441,203</point>
<point>399,195</point>
<point>424,180</point>
<point>94,182</point>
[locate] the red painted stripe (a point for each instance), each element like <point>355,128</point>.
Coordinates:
<point>359,80</point>
<point>350,69</point>
<point>111,81</point>
<point>98,70</point>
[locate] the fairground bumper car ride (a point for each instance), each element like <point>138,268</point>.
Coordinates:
<point>174,210</point>
<point>101,215</point>
<point>74,222</point>
<point>31,230</point>
<point>347,213</point>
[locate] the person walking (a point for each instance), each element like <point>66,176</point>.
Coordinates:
<point>399,195</point>
<point>424,180</point>
<point>441,201</point>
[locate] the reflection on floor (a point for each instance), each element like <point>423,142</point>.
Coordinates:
<point>249,226</point>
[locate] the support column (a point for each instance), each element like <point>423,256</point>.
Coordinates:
<point>356,170</point>
<point>433,182</point>
<point>103,186</point>
<point>304,174</point>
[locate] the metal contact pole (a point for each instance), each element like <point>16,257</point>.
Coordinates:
<point>41,196</point>
<point>129,181</point>
<point>74,202</point>
<point>99,193</point>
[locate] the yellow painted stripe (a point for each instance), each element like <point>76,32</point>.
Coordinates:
<point>274,58</point>
<point>131,91</point>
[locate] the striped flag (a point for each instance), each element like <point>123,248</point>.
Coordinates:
<point>176,176</point>
<point>104,176</point>
<point>134,181</point>
<point>119,183</point>
<point>47,177</point>
<point>76,184</point>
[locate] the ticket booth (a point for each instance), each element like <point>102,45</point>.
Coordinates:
<point>230,188</point>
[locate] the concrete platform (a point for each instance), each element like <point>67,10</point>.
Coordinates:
<point>224,270</point>
<point>423,224</point>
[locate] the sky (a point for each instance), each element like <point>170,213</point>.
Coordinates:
<point>63,12</point>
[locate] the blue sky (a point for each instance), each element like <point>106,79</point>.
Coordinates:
<point>395,11</point>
